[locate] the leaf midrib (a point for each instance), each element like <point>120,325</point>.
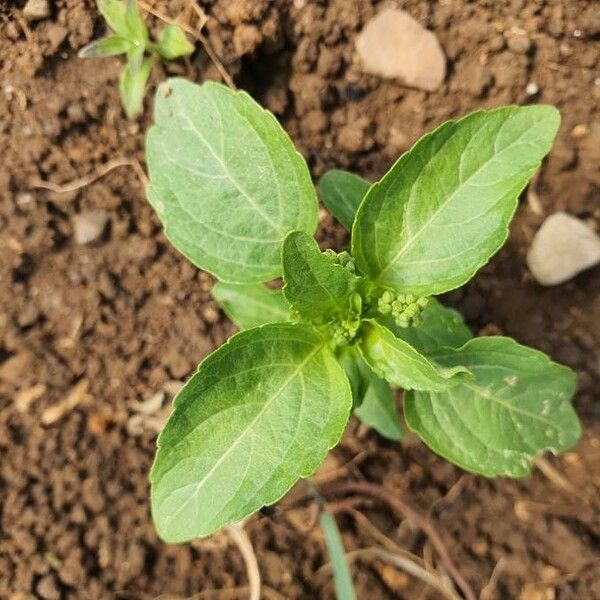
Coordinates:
<point>242,435</point>
<point>442,206</point>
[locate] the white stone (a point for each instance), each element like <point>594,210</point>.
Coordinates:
<point>89,226</point>
<point>394,45</point>
<point>36,10</point>
<point>562,247</point>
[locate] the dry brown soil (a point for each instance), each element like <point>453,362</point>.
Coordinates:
<point>96,329</point>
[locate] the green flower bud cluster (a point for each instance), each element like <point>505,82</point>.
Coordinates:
<point>343,258</point>
<point>344,331</point>
<point>405,308</point>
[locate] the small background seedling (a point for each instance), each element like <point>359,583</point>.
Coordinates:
<point>130,37</point>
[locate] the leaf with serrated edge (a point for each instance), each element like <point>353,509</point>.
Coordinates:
<point>260,413</point>
<point>315,286</point>
<point>400,364</point>
<point>443,209</point>
<point>226,180</point>
<point>342,193</point>
<point>517,406</point>
<point>250,305</point>
<point>440,327</point>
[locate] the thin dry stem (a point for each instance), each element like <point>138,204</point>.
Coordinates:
<point>397,560</point>
<point>361,487</point>
<point>555,477</point>
<point>197,35</point>
<point>242,541</point>
<point>82,182</point>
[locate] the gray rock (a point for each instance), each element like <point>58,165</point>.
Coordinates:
<point>89,226</point>
<point>394,45</point>
<point>562,247</point>
<point>36,10</point>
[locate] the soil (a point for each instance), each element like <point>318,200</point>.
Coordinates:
<point>89,334</point>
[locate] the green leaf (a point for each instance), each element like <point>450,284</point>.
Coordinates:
<point>342,578</point>
<point>373,401</point>
<point>357,372</point>
<point>113,12</point>
<point>136,26</point>
<point>132,87</point>
<point>226,181</point>
<point>378,409</point>
<point>443,209</point>
<point>342,193</point>
<point>252,304</point>
<point>517,406</point>
<point>440,327</point>
<point>172,43</point>
<point>315,286</point>
<point>400,364</point>
<point>260,413</point>
<point>108,46</point>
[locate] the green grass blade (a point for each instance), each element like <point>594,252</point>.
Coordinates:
<point>342,578</point>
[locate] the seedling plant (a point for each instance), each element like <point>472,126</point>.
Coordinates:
<point>347,328</point>
<point>130,37</point>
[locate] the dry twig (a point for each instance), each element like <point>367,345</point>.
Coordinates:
<point>397,560</point>
<point>197,35</point>
<point>82,182</point>
<point>361,487</point>
<point>242,541</point>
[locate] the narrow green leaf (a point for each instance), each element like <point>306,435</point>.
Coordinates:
<point>378,410</point>
<point>440,327</point>
<point>135,24</point>
<point>342,578</point>
<point>342,192</point>
<point>172,43</point>
<point>400,364</point>
<point>260,413</point>
<point>357,372</point>
<point>135,57</point>
<point>315,286</point>
<point>226,181</point>
<point>517,406</point>
<point>132,87</point>
<point>443,209</point>
<point>113,12</point>
<point>108,46</point>
<point>252,304</point>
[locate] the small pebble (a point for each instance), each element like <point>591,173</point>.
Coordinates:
<point>36,10</point>
<point>563,247</point>
<point>89,226</point>
<point>532,88</point>
<point>394,45</point>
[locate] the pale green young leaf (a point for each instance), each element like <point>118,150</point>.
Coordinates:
<point>315,286</point>
<point>378,409</point>
<point>108,46</point>
<point>132,87</point>
<point>517,406</point>
<point>401,365</point>
<point>135,24</point>
<point>226,181</point>
<point>443,209</point>
<point>440,327</point>
<point>342,578</point>
<point>357,372</point>
<point>113,12</point>
<point>342,193</point>
<point>250,305</point>
<point>172,43</point>
<point>260,413</point>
